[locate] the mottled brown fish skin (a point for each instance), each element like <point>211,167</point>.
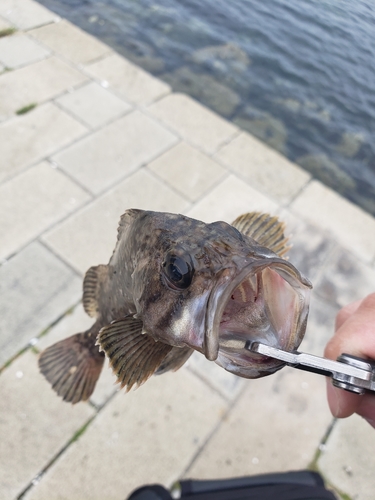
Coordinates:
<point>147,320</point>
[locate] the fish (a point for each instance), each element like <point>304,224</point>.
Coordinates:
<point>175,285</point>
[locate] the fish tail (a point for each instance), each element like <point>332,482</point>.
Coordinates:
<point>73,365</point>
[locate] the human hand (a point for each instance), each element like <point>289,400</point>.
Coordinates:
<point>354,334</point>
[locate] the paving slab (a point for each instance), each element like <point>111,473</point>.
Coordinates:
<point>26,14</point>
<point>19,50</point>
<point>94,105</point>
<point>4,24</point>
<point>113,152</point>
<point>350,225</point>
<point>35,426</point>
<point>276,425</point>
<point>45,80</point>
<point>264,168</point>
<point>311,245</point>
<point>129,81</point>
<point>188,170</point>
<point>193,122</point>
<point>35,289</point>
<point>229,199</point>
<point>70,42</point>
<point>320,325</point>
<point>145,436</point>
<point>32,202</point>
<point>225,383</point>
<point>345,279</point>
<point>41,132</point>
<point>94,228</point>
<point>74,322</point>
<point>346,460</point>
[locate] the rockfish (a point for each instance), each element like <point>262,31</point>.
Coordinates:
<point>174,285</point>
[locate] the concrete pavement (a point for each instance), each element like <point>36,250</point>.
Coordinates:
<point>84,135</point>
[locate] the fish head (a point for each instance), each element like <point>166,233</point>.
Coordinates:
<point>212,288</point>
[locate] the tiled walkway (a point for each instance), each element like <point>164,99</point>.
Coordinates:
<point>102,137</point>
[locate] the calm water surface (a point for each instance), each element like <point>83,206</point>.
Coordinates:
<point>298,74</point>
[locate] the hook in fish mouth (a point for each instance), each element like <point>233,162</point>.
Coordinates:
<point>266,302</point>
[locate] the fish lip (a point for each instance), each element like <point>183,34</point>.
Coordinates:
<point>221,292</point>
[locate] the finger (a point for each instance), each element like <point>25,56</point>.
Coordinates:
<point>357,334</point>
<point>343,404</point>
<point>346,312</point>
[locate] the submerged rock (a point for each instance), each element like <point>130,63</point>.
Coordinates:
<point>324,169</point>
<point>350,144</point>
<point>205,89</point>
<point>264,126</point>
<point>226,58</point>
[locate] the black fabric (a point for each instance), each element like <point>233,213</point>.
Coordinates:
<point>299,485</point>
<point>153,492</point>
<point>302,477</point>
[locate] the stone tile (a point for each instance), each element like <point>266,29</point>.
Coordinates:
<point>276,425</point>
<point>35,425</point>
<point>129,81</point>
<point>51,195</point>
<point>26,14</point>
<point>101,159</point>
<point>311,245</point>
<point>152,433</point>
<point>18,50</point>
<point>4,24</point>
<point>94,228</point>
<point>31,137</point>
<point>347,461</point>
<point>75,322</point>
<point>189,171</point>
<point>320,326</point>
<point>193,122</point>
<point>228,200</point>
<point>105,387</point>
<point>45,80</point>
<point>93,105</point>
<point>70,42</point>
<point>347,223</point>
<point>227,384</point>
<point>345,279</point>
<point>263,167</point>
<point>35,289</point>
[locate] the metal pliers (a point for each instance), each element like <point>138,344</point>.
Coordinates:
<point>348,372</point>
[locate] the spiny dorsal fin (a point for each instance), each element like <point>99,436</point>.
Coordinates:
<point>91,286</point>
<point>126,219</point>
<point>266,230</point>
<point>72,366</point>
<point>133,356</point>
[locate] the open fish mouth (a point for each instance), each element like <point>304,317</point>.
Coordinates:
<point>266,302</point>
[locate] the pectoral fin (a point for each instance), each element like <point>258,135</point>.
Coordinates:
<point>73,366</point>
<point>266,230</point>
<point>133,355</point>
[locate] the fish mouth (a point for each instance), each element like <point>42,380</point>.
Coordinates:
<point>266,302</point>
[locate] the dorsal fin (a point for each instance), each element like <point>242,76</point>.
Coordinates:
<point>266,230</point>
<point>134,356</point>
<point>91,288</point>
<point>126,219</point>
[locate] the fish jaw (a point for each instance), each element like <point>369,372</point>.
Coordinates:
<point>267,301</point>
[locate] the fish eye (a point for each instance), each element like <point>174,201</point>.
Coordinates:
<point>178,272</point>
